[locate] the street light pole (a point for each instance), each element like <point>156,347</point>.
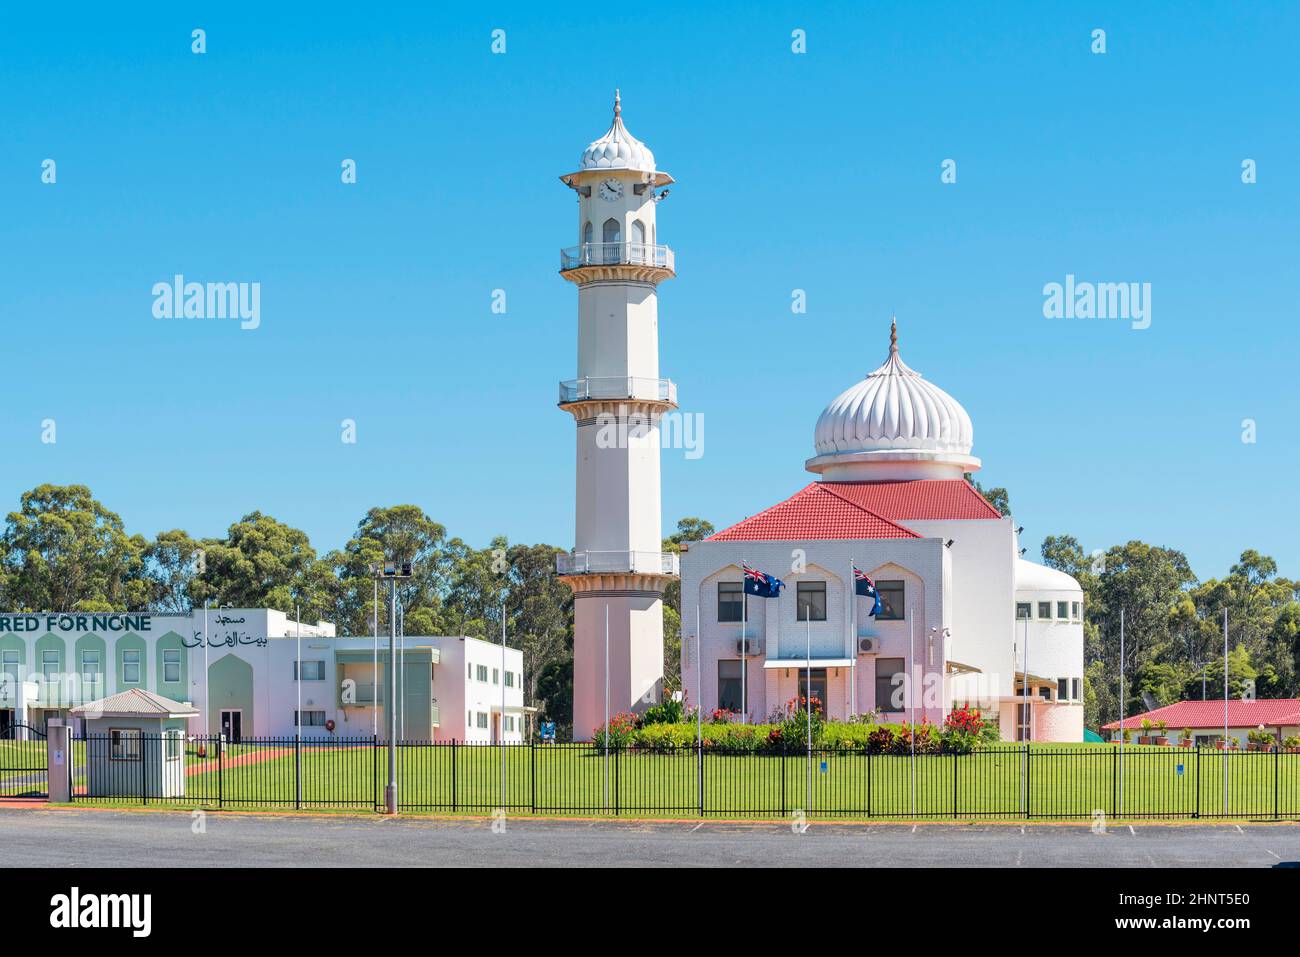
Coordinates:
<point>391,572</point>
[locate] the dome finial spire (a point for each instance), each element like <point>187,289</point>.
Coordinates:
<point>893,336</point>
<point>618,105</point>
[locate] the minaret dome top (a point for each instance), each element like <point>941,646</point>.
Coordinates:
<point>618,150</point>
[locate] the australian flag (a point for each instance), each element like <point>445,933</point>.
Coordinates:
<point>761,585</point>
<point>863,585</point>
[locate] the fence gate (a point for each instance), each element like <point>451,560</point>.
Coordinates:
<point>23,772</point>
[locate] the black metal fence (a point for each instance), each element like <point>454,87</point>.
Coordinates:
<point>999,782</point>
<point>23,762</point>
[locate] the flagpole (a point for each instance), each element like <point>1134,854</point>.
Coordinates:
<point>699,708</point>
<point>1225,708</point>
<point>207,702</point>
<point>401,671</point>
<point>607,705</point>
<point>1121,711</point>
<point>1028,714</point>
<point>744,665</point>
<point>807,617</point>
<point>911,693</point>
<point>853,637</point>
<point>699,681</point>
<point>501,734</point>
<point>374,675</point>
<point>297,731</point>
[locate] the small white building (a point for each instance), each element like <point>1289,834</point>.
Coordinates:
<point>960,607</point>
<point>238,668</point>
<point>136,745</point>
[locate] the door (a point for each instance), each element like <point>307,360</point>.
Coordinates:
<point>232,725</point>
<point>496,728</point>
<point>818,688</point>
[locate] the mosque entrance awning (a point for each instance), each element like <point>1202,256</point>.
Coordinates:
<point>802,663</point>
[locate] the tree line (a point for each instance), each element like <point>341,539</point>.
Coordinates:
<point>63,550</point>
<point>1173,627</point>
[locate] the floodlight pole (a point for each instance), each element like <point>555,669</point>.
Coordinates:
<point>390,792</point>
<point>391,572</point>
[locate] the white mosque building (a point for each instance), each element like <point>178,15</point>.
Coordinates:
<point>963,613</point>
<point>972,622</point>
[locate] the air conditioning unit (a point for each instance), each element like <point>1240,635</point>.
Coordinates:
<point>749,646</point>
<point>867,646</point>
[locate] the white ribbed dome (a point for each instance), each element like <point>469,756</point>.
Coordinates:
<point>618,149</point>
<point>894,409</point>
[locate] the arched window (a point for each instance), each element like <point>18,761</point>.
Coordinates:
<point>638,252</point>
<point>611,236</point>
<point>588,234</point>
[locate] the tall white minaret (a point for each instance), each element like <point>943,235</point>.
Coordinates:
<point>618,567</point>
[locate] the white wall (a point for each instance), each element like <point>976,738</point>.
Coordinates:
<point>918,561</point>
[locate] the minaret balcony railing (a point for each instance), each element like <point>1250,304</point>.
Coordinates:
<point>618,387</point>
<point>606,562</point>
<point>617,254</point>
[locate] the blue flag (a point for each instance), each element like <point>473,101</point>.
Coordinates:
<point>863,585</point>
<point>761,585</point>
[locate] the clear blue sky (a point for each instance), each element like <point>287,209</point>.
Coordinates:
<point>818,172</point>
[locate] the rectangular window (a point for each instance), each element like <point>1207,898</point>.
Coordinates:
<point>481,672</point>
<point>469,719</point>
<point>311,671</point>
<point>1075,684</point>
<point>1063,610</point>
<point>496,676</point>
<point>469,670</point>
<point>91,666</point>
<point>310,719</point>
<point>1045,610</point>
<point>131,667</point>
<point>172,665</point>
<point>811,598</point>
<point>1024,610</point>
<point>729,684</point>
<point>893,601</point>
<point>731,598</point>
<point>1062,689</point>
<point>510,723</point>
<point>891,676</point>
<point>10,662</point>
<point>482,719</point>
<point>123,744</point>
<point>510,679</point>
<point>1074,610</point>
<point>50,665</point>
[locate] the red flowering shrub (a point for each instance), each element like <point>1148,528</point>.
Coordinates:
<point>962,731</point>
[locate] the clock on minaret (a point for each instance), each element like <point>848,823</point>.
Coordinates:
<point>617,569</point>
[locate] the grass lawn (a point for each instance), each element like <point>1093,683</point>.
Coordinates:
<point>1064,781</point>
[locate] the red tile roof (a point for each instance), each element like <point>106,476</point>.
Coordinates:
<point>918,499</point>
<point>1209,714</point>
<point>816,511</point>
